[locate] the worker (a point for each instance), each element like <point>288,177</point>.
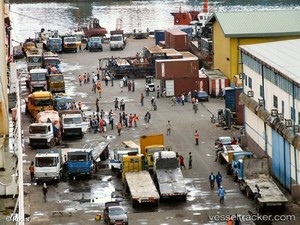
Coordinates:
<point>196,135</point>
<point>230,220</point>
<point>31,170</point>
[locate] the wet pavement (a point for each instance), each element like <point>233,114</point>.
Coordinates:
<point>85,198</point>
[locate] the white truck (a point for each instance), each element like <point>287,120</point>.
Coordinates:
<point>116,40</point>
<point>168,176</point>
<point>72,123</point>
<point>46,132</point>
<point>255,180</point>
<point>48,164</point>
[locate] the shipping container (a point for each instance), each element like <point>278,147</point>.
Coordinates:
<point>177,68</point>
<point>216,82</point>
<point>167,38</point>
<point>162,44</point>
<point>239,108</point>
<point>184,85</point>
<point>159,36</point>
<point>232,97</point>
<point>179,40</point>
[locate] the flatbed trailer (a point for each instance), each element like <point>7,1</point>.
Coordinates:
<point>171,184</point>
<point>141,187</point>
<point>257,179</point>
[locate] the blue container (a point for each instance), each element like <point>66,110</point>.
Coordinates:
<point>231,98</point>
<point>159,36</point>
<point>188,30</point>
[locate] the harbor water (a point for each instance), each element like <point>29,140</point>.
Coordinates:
<point>30,16</point>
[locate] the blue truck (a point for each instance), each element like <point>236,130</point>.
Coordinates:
<point>54,44</point>
<point>255,180</point>
<point>95,44</point>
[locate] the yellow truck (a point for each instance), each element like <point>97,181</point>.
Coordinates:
<point>149,144</point>
<point>138,180</point>
<point>38,101</point>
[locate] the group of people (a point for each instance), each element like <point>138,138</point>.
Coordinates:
<point>127,83</point>
<point>218,179</point>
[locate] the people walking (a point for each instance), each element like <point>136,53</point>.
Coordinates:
<point>219,179</point>
<point>230,220</point>
<point>157,91</point>
<point>196,135</point>
<point>122,105</point>
<point>181,162</point>
<point>97,105</point>
<point>142,99</point>
<point>80,79</point>
<point>116,104</point>
<point>133,85</point>
<point>221,194</point>
<point>212,179</point>
<point>31,170</point>
<point>135,119</point>
<point>237,220</point>
<point>190,160</point>
<point>147,118</point>
<point>45,190</point>
<point>169,125</point>
<point>121,85</point>
<point>119,127</point>
<point>182,99</point>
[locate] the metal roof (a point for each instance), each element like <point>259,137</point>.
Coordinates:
<point>259,23</point>
<point>283,56</point>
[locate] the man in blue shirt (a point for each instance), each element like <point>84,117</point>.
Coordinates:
<point>221,194</point>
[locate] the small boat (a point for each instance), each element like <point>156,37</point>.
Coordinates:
<point>94,29</point>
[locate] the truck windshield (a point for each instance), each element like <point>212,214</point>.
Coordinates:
<point>38,77</point>
<point>76,120</point>
<point>56,78</point>
<point>70,39</point>
<point>51,62</point>
<point>116,38</point>
<point>55,41</point>
<point>46,161</point>
<point>35,59</point>
<point>77,158</point>
<point>43,102</point>
<point>152,150</point>
<point>38,130</point>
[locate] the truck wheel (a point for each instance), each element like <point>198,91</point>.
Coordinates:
<point>52,143</point>
<point>135,203</point>
<point>258,207</point>
<point>249,193</point>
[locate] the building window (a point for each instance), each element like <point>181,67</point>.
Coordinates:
<point>250,82</point>
<point>282,107</point>
<point>275,101</point>
<point>261,91</point>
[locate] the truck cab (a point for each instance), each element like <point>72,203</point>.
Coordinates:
<point>150,85</point>
<point>116,40</point>
<point>73,124</point>
<point>54,44</point>
<point>69,43</point>
<point>37,80</point>
<point>150,150</point>
<point>237,164</point>
<point>41,134</point>
<point>50,59</point>
<point>61,101</point>
<point>56,83</point>
<point>34,58</point>
<point>39,101</point>
<point>95,44</point>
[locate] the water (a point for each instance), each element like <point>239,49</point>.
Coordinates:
<point>29,17</point>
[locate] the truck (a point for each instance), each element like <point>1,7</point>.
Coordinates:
<point>255,180</point>
<point>115,161</point>
<point>47,131</point>
<point>168,176</point>
<point>95,44</point>
<point>37,80</point>
<point>149,83</point>
<point>69,43</point>
<point>34,58</point>
<point>50,59</point>
<point>138,181</point>
<point>54,44</point>
<point>56,83</point>
<point>79,163</point>
<point>49,164</point>
<point>62,101</point>
<point>38,101</point>
<point>225,156</point>
<point>116,40</point>
<point>72,123</point>
<point>149,144</point>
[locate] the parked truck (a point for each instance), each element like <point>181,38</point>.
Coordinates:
<point>37,80</point>
<point>117,40</point>
<point>69,43</point>
<point>47,131</point>
<point>72,123</point>
<point>95,44</point>
<point>50,58</point>
<point>138,181</point>
<point>225,156</point>
<point>255,180</point>
<point>38,101</point>
<point>62,101</point>
<point>56,83</point>
<point>149,144</point>
<point>34,58</point>
<point>168,176</point>
<point>49,164</point>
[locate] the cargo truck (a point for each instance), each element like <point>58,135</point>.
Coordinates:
<point>49,164</point>
<point>34,58</point>
<point>56,83</point>
<point>37,80</point>
<point>255,180</point>
<point>116,40</point>
<point>138,181</point>
<point>149,144</point>
<point>47,131</point>
<point>168,176</point>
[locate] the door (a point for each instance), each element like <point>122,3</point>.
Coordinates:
<point>169,88</point>
<point>281,161</point>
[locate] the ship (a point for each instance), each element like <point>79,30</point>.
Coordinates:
<point>94,29</point>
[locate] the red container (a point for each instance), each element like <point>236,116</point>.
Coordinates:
<point>167,38</point>
<point>217,81</point>
<point>184,85</point>
<point>177,68</point>
<point>239,108</point>
<point>179,40</point>
<point>162,44</point>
